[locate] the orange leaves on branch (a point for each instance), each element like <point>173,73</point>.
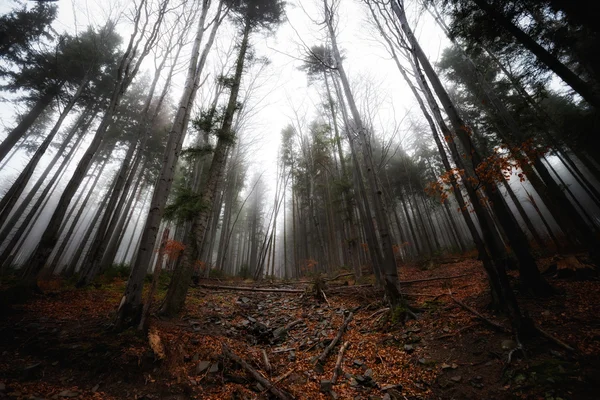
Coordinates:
<point>173,249</point>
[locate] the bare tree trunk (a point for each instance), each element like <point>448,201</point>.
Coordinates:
<point>177,292</point>
<point>19,131</point>
<point>130,307</point>
<point>128,68</point>
<point>12,195</point>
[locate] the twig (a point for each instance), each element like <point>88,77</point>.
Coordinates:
<point>280,394</point>
<point>555,340</point>
<point>325,353</point>
<point>325,298</point>
<point>282,377</point>
<point>379,312</point>
<point>293,324</point>
<point>339,276</point>
<point>338,364</point>
<point>265,358</point>
<point>491,323</point>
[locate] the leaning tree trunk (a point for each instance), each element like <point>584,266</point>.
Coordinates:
<point>579,85</point>
<point>389,268</point>
<point>181,279</point>
<point>10,198</point>
<point>128,67</point>
<point>19,131</point>
<point>130,307</point>
<point>80,123</point>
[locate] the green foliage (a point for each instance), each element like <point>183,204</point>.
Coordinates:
<point>197,152</point>
<point>217,273</point>
<point>398,314</point>
<point>117,271</point>
<point>185,207</point>
<point>263,14</point>
<point>19,29</point>
<point>245,272</point>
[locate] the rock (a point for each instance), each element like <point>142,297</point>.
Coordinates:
<point>2,387</point>
<point>409,348</point>
<point>508,344</point>
<point>95,388</point>
<point>354,382</point>
<point>334,395</point>
<point>31,371</point>
<point>391,387</point>
<point>193,382</point>
<point>251,319</point>
<point>456,378</point>
<point>292,356</point>
<point>446,366</point>
<point>358,363</point>
<point>214,368</point>
<point>244,300</point>
<point>387,397</point>
<point>326,386</point>
<point>319,368</point>
<point>369,373</point>
<point>278,332</point>
<point>68,393</point>
<point>202,366</point>
<point>360,379</point>
<point>556,354</point>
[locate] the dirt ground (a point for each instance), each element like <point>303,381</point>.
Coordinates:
<point>60,345</point>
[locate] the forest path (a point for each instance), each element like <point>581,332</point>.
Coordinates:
<point>58,345</point>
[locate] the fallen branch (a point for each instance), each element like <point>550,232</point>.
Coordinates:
<point>251,289</point>
<point>282,377</point>
<point>491,323</point>
<point>280,394</point>
<point>337,371</point>
<point>339,276</point>
<point>265,358</point>
<point>293,324</point>
<point>321,359</point>
<point>555,340</point>
<point>433,279</point>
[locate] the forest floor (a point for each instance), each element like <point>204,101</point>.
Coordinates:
<point>59,345</point>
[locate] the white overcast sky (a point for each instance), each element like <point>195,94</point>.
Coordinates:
<point>284,87</point>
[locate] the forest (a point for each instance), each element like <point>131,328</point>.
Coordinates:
<point>317,199</point>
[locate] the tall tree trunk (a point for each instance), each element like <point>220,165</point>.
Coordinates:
<point>80,123</point>
<point>389,268</point>
<point>19,131</point>
<point>130,307</point>
<point>181,279</point>
<point>584,89</point>
<point>10,198</point>
<point>128,67</point>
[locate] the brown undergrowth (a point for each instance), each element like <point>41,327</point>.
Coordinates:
<point>59,345</point>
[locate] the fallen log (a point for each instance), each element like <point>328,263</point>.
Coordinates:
<point>251,289</point>
<point>439,278</point>
<point>321,359</point>
<point>280,394</point>
<point>337,371</point>
<point>339,276</point>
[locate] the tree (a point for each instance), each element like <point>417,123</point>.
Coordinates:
<point>250,16</point>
